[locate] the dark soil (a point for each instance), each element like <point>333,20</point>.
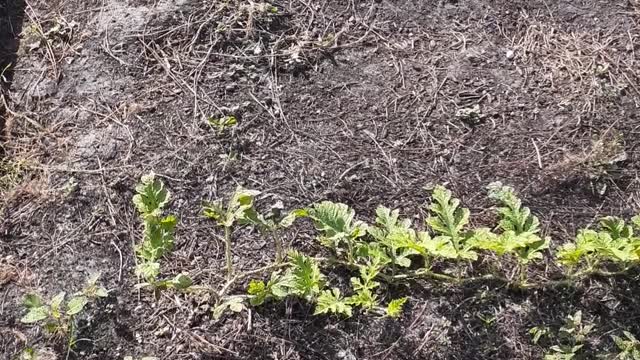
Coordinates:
<point>352,101</point>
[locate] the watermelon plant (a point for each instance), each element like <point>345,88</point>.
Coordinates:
<point>58,316</point>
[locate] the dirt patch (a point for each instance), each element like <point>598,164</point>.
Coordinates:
<point>363,102</point>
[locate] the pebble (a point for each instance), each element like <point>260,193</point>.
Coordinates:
<point>510,54</point>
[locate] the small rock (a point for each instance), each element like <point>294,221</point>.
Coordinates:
<point>510,54</point>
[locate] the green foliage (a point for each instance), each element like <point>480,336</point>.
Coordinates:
<point>394,309</point>
<point>337,226</point>
<point>238,210</point>
<point>572,337</point>
<point>537,332</point>
<point>274,222</point>
<point>396,237</point>
<point>223,123</point>
<point>514,217</point>
<point>364,287</point>
<point>332,302</point>
<point>58,316</point>
<point>303,278</point>
<point>448,220</point>
<point>629,346</point>
<point>158,235</point>
<point>613,242</point>
<point>151,196</point>
<point>234,304</point>
<point>276,288</point>
<point>519,227</point>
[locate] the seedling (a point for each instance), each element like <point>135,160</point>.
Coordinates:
<point>238,210</point>
<point>331,301</point>
<point>273,223</point>
<point>223,123</point>
<point>58,316</point>
<point>158,235</point>
<point>572,337</point>
<point>629,347</point>
<point>537,332</point>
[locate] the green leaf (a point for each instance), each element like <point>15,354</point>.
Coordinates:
<point>616,227</point>
<point>303,277</point>
<point>151,195</point>
<point>181,282</point>
<point>234,304</point>
<point>158,238</point>
<point>92,289</point>
<point>214,210</point>
<point>290,218</point>
<point>148,271</point>
<point>394,309</point>
<point>32,301</point>
<point>56,303</point>
<point>223,123</point>
<point>336,222</point>
<point>514,217</point>
<point>101,292</point>
<point>76,305</point>
<point>330,301</point>
<point>35,314</point>
<point>448,220</point>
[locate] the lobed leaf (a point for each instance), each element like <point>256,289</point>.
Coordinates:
<point>151,195</point>
<point>331,301</point>
<point>394,309</point>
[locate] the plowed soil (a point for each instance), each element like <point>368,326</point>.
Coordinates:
<point>358,101</point>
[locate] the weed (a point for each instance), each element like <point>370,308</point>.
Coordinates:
<point>58,316</point>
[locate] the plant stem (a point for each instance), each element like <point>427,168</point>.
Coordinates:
<point>227,251</point>
<point>278,243</point>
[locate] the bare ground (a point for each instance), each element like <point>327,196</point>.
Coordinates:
<point>353,101</point>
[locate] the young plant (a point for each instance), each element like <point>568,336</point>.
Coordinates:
<point>222,123</point>
<point>614,243</point>
<point>448,220</point>
<point>238,210</point>
<point>58,316</point>
<point>572,337</point>
<point>629,347</point>
<point>158,235</point>
<point>339,231</point>
<point>273,223</point>
<point>520,228</point>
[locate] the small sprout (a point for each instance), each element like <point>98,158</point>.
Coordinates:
<point>537,332</point>
<point>629,346</point>
<point>158,236</point>
<point>394,309</point>
<point>223,123</point>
